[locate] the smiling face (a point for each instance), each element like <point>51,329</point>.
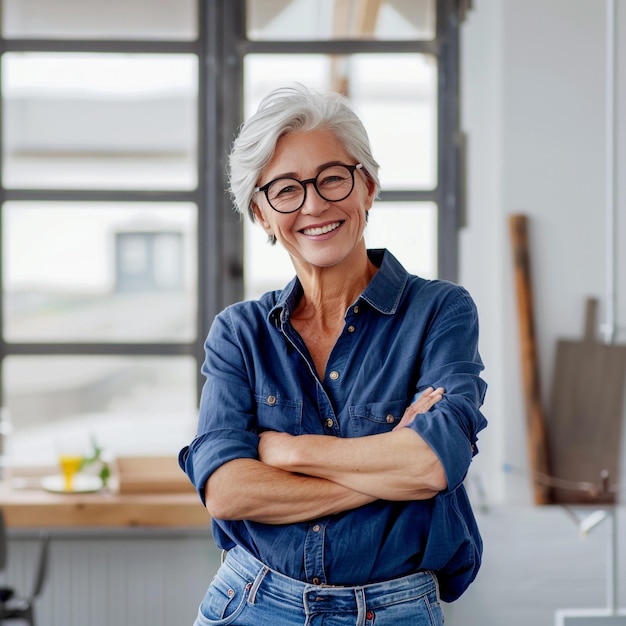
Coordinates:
<point>320,233</point>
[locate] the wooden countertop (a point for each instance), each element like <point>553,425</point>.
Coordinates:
<point>33,507</point>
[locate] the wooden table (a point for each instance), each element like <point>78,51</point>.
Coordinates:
<point>36,508</point>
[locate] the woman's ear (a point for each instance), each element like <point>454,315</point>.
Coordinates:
<point>260,218</point>
<point>371,193</point>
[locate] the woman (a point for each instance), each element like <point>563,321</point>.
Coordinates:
<point>337,504</point>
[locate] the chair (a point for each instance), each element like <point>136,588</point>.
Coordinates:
<point>12,605</point>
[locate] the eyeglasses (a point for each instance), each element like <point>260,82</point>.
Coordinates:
<point>333,183</point>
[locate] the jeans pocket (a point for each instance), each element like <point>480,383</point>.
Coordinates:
<point>224,601</point>
<point>421,609</point>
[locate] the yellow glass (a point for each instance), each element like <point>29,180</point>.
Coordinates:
<point>70,464</point>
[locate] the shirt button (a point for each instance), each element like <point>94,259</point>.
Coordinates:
<point>351,329</point>
<point>271,400</point>
<point>334,375</point>
<point>356,308</point>
<point>316,529</point>
<point>329,423</point>
<point>390,419</point>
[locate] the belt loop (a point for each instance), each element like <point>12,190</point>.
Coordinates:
<point>257,583</point>
<point>361,606</point>
<point>436,581</point>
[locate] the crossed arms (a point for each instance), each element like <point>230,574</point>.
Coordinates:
<point>298,478</point>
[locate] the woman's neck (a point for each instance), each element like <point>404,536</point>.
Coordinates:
<point>328,292</point>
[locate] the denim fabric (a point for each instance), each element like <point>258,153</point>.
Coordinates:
<point>245,592</point>
<point>401,335</point>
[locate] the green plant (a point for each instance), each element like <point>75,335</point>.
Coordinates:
<point>99,461</point>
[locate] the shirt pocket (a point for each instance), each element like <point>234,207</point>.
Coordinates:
<point>275,412</point>
<point>375,417</point>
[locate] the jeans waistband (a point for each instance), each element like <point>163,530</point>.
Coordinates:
<point>337,598</point>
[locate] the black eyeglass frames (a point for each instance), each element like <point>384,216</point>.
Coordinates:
<point>333,183</point>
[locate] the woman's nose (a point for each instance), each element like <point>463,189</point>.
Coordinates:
<point>313,201</point>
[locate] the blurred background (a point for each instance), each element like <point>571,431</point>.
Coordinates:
<point>119,244</point>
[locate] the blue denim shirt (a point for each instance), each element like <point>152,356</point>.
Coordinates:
<point>401,335</point>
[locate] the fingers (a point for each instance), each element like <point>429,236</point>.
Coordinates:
<point>428,398</point>
<point>407,418</point>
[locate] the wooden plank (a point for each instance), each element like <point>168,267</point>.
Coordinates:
<point>586,415</point>
<point>366,17</point>
<point>341,18</point>
<point>535,420</point>
<point>151,474</point>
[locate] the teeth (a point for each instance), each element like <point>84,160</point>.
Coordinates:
<point>322,229</point>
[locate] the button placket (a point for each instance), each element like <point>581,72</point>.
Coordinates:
<point>351,324</point>
<point>314,553</point>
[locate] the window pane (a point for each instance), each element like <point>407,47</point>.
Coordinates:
<point>394,94</point>
<point>89,121</point>
<point>266,267</point>
<point>130,405</point>
<point>409,231</point>
<point>99,271</point>
<point>347,19</point>
<point>400,116</point>
<point>110,19</point>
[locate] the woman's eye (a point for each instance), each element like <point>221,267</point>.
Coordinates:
<point>331,180</point>
<point>286,190</point>
<point>283,189</point>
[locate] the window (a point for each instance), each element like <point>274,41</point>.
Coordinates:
<point>119,243</point>
<point>378,87</point>
<point>101,196</point>
<point>388,57</point>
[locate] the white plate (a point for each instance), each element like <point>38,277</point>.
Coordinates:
<point>83,483</point>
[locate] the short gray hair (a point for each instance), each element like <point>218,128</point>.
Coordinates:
<point>288,110</point>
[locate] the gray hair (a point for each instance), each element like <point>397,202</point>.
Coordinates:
<point>288,110</point>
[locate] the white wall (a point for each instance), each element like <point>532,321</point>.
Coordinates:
<point>533,105</point>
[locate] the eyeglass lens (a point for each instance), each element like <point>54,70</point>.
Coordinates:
<point>333,183</point>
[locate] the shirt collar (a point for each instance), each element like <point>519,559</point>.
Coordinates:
<point>385,289</point>
<point>383,292</point>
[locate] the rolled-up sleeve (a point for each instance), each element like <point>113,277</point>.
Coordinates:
<point>450,359</point>
<point>227,406</point>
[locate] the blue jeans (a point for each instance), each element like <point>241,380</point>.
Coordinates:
<point>245,592</point>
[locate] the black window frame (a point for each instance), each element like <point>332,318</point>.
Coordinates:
<point>221,47</point>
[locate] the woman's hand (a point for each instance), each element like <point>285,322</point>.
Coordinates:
<point>428,398</point>
<point>274,448</point>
